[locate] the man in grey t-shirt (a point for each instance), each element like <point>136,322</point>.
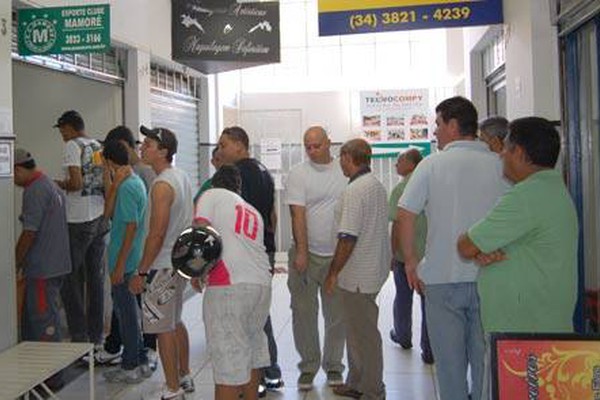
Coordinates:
<point>42,253</point>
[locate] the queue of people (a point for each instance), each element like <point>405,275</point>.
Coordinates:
<point>484,230</point>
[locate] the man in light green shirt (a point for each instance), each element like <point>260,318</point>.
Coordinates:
<point>527,245</point>
<point>402,311</point>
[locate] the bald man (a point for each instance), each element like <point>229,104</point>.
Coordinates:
<point>313,188</point>
<point>359,268</point>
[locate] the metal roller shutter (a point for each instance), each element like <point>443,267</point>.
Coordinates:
<point>179,114</point>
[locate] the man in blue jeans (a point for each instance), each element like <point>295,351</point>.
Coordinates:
<point>456,187</point>
<point>402,332</point>
<point>126,202</point>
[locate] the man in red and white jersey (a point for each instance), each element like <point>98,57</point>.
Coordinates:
<point>238,294</point>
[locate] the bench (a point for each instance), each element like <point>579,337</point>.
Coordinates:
<point>29,364</point>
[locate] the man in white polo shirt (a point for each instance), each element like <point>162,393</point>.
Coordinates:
<point>312,190</point>
<point>359,268</point>
<point>456,187</point>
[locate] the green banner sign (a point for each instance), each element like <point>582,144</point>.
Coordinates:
<point>392,149</point>
<point>60,30</point>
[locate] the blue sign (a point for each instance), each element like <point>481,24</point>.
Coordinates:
<point>346,17</point>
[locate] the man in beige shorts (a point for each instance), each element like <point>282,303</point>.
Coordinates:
<point>170,205</point>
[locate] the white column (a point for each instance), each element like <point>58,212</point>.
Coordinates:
<point>532,63</point>
<point>8,308</point>
<point>137,90</point>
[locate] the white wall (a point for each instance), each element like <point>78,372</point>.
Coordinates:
<point>532,61</point>
<point>8,305</point>
<point>100,105</point>
<point>337,111</point>
<point>332,110</point>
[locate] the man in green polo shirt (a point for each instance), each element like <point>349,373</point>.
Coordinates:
<point>527,245</point>
<point>401,332</point>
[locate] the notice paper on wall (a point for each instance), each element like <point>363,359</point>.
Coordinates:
<point>270,153</point>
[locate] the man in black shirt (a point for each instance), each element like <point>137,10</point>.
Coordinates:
<point>258,189</point>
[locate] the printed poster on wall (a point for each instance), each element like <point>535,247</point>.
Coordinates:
<point>545,367</point>
<point>395,115</point>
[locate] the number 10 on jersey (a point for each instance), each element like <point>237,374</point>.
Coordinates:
<point>246,222</point>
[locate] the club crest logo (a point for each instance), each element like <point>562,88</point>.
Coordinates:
<point>39,35</point>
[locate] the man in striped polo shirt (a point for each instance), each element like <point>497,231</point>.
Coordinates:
<point>359,268</point>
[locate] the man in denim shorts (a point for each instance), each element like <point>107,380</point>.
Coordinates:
<point>170,209</point>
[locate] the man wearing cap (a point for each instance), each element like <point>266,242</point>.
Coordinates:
<point>127,198</point>
<point>112,345</point>
<point>42,253</point>
<point>170,212</point>
<point>84,185</point>
<point>124,135</point>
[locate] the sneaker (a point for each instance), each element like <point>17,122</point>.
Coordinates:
<point>273,384</point>
<point>404,344</point>
<point>262,391</point>
<point>102,357</point>
<point>120,375</point>
<point>115,361</point>
<point>169,395</point>
<point>427,358</point>
<point>305,381</point>
<point>146,371</point>
<point>187,384</point>
<point>347,391</point>
<point>334,378</point>
<point>152,359</point>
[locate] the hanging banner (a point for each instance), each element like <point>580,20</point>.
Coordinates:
<point>216,36</point>
<point>341,17</point>
<point>61,30</point>
<point>395,115</point>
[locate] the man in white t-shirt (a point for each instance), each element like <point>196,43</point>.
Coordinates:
<point>238,295</point>
<point>359,268</point>
<point>170,212</point>
<point>312,190</point>
<point>83,173</point>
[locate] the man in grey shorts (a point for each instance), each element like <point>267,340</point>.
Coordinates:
<point>170,212</point>
<point>238,294</point>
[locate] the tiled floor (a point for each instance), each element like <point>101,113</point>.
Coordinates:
<point>405,376</point>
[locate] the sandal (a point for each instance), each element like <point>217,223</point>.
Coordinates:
<point>346,391</point>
